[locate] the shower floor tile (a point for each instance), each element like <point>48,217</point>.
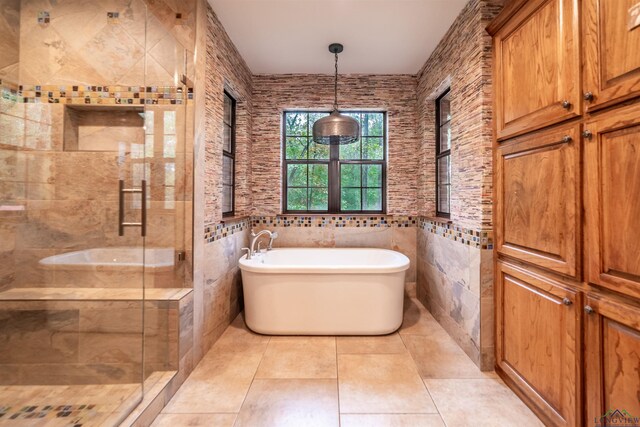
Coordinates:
<point>380,381</point>
<point>76,405</point>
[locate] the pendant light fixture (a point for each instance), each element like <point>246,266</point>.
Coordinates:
<point>336,129</point>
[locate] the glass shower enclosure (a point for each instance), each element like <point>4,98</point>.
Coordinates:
<point>93,132</point>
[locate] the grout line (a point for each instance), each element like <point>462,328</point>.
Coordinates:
<point>266,347</point>
<point>338,384</point>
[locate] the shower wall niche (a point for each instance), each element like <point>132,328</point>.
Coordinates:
<point>97,128</point>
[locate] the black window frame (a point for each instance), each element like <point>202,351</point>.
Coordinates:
<point>230,154</point>
<point>334,171</point>
<point>442,154</point>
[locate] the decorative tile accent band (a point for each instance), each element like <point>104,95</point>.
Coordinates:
<point>482,239</point>
<point>72,412</point>
<point>215,232</point>
<point>335,221</point>
<point>99,95</point>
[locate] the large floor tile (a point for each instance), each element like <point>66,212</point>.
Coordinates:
<point>439,356</point>
<point>381,383</point>
<point>391,420</point>
<point>479,402</point>
<point>194,420</point>
<point>290,402</point>
<point>371,345</point>
<point>417,320</point>
<point>219,383</point>
<point>299,357</point>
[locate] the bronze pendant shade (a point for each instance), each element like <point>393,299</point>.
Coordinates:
<point>336,129</point>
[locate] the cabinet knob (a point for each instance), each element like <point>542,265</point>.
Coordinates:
<point>566,104</point>
<point>587,134</point>
<point>588,96</point>
<point>566,139</point>
<point>566,301</point>
<point>588,309</point>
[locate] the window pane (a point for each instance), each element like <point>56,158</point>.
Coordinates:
<point>372,148</point>
<point>444,170</point>
<point>227,170</point>
<point>444,195</point>
<point>297,199</point>
<point>227,198</point>
<point>350,175</point>
<point>350,151</point>
<point>372,199</point>
<point>228,110</point>
<point>297,175</point>
<point>372,124</point>
<point>350,199</point>
<point>226,139</point>
<point>372,176</point>
<point>148,122</point>
<point>318,151</point>
<point>169,149</point>
<point>170,174</point>
<point>318,199</point>
<point>296,148</point>
<point>296,123</point>
<point>445,108</point>
<point>445,137</point>
<point>318,175</point>
<point>170,122</point>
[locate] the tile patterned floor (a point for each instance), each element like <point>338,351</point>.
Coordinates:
<point>73,405</point>
<point>415,377</point>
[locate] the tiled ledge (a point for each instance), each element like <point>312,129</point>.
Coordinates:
<point>482,239</point>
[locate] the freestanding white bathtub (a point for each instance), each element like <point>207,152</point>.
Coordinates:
<point>302,291</point>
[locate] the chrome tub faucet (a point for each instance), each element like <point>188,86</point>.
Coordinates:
<point>255,237</point>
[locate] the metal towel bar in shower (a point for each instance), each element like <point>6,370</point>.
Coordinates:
<point>143,217</point>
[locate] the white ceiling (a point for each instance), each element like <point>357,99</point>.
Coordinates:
<point>379,36</point>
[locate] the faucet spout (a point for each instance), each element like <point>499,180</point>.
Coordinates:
<point>257,236</point>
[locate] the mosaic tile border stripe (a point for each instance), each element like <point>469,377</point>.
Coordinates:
<point>96,95</point>
<point>337,221</point>
<point>74,413</point>
<point>482,239</point>
<point>215,232</point>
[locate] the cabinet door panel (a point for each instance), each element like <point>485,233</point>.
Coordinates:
<point>612,58</point>
<point>613,202</point>
<point>612,357</point>
<point>538,199</point>
<point>538,341</point>
<point>537,67</point>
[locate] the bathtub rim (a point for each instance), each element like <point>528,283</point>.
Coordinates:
<point>254,267</point>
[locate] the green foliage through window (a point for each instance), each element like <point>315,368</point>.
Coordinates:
<point>341,179</point>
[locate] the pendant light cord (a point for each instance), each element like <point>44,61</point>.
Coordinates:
<point>335,87</point>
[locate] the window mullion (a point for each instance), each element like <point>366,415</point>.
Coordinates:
<point>334,178</point>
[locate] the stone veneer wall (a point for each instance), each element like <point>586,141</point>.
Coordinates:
<point>454,280</point>
<point>396,94</point>
<point>217,298</point>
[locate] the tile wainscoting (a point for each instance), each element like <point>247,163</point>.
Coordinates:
<point>451,266</point>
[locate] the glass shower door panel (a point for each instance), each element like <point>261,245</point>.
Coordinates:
<point>72,127</point>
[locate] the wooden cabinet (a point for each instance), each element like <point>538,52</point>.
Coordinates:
<point>567,207</point>
<point>612,357</point>
<point>538,341</point>
<point>537,67</point>
<point>612,171</point>
<point>537,216</point>
<point>611,53</point>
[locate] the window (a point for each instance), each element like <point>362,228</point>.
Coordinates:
<point>334,179</point>
<point>443,155</point>
<point>228,155</point>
